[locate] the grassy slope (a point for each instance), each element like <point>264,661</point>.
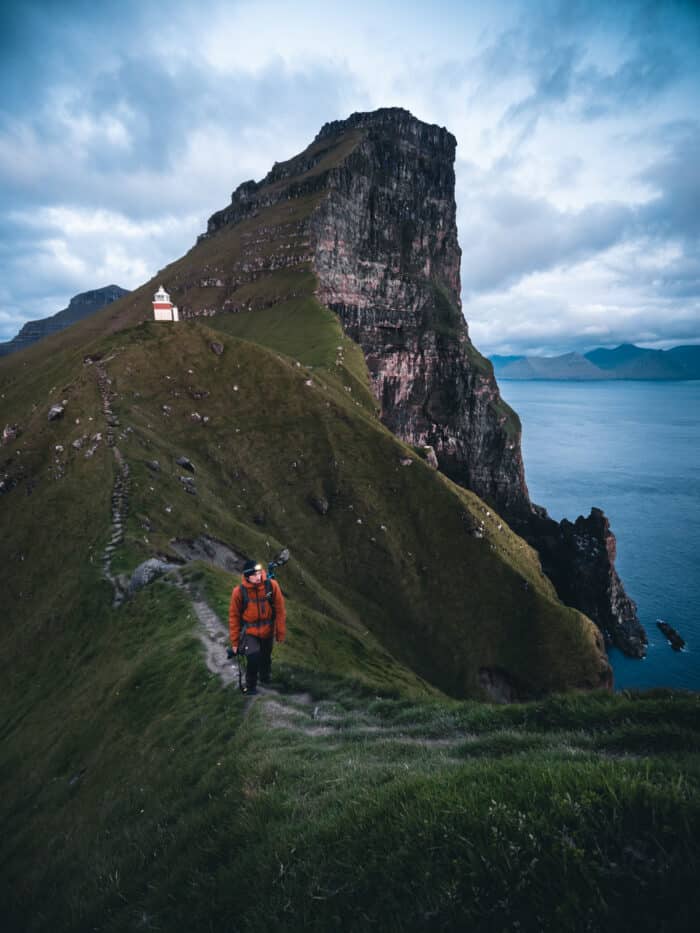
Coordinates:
<point>135,775</point>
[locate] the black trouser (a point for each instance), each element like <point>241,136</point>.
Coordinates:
<point>259,663</point>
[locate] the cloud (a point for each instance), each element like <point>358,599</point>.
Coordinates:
<point>506,235</point>
<point>606,300</point>
<point>122,129</point>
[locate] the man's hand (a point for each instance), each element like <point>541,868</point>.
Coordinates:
<point>231,652</point>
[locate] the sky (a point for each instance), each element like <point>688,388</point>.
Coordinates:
<point>125,125</point>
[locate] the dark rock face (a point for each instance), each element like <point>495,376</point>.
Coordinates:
<point>80,306</point>
<point>579,558</point>
<point>387,259</point>
<point>672,636</point>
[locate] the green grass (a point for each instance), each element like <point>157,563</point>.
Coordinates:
<point>152,795</point>
<point>388,806</point>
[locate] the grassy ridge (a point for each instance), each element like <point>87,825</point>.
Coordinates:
<point>511,828</point>
<point>159,805</point>
<point>136,793</point>
<point>439,579</point>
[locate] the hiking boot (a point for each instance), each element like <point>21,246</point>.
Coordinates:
<point>252,692</point>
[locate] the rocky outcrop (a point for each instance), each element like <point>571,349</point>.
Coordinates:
<point>675,640</point>
<point>148,571</point>
<point>579,558</point>
<point>379,230</point>
<point>80,306</point>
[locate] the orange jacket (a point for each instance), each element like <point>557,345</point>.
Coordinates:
<point>258,612</point>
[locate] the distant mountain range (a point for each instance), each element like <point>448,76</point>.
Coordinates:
<point>624,362</point>
<point>80,306</point>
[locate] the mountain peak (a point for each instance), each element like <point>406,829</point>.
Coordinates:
<point>79,307</point>
<point>397,118</point>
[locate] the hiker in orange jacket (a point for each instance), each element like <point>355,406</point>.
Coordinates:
<point>256,615</point>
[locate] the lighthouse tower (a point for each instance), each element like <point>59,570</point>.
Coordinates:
<point>163,308</point>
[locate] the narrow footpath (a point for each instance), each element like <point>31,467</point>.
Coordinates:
<point>120,490</point>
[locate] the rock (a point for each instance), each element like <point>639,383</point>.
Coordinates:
<point>187,480</point>
<point>166,409</point>
<point>498,685</point>
<point>320,504</point>
<point>10,433</point>
<point>185,464</point>
<point>210,550</point>
<point>147,572</point>
<point>674,639</point>
<point>406,461</point>
<point>196,417</point>
<point>430,456</point>
<point>153,465</point>
<point>579,558</point>
<point>216,347</point>
<point>56,412</point>
<point>77,443</point>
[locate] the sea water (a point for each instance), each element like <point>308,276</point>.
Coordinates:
<point>632,449</point>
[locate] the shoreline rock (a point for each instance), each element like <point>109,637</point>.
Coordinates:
<point>671,635</point>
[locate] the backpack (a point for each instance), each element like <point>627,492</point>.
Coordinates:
<point>245,599</point>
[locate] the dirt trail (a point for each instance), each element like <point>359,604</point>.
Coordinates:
<point>120,491</point>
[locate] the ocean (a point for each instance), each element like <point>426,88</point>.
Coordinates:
<point>632,449</point>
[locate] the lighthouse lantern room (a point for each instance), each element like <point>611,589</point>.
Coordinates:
<point>163,308</point>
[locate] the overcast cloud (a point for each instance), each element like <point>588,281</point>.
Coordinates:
<point>123,126</point>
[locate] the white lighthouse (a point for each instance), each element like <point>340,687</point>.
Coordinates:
<point>163,308</point>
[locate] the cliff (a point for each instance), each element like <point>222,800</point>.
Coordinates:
<point>79,307</point>
<point>365,220</point>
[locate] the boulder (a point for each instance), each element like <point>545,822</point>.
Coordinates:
<point>185,463</point>
<point>147,572</point>
<point>10,433</point>
<point>674,639</point>
<point>320,504</point>
<point>430,456</point>
<point>216,347</point>
<point>153,465</point>
<point>56,412</point>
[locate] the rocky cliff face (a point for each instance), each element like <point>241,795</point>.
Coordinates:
<point>80,306</point>
<point>370,205</point>
<point>387,260</point>
<point>579,558</point>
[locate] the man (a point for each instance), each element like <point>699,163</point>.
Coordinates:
<point>256,615</point>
